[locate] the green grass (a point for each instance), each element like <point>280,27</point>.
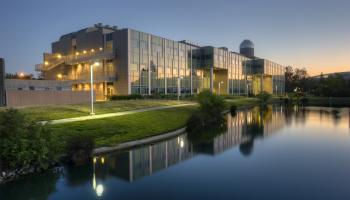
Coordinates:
<point>111,131</point>
<point>44,113</point>
<point>241,102</point>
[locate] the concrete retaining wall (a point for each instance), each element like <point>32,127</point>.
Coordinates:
<point>17,98</point>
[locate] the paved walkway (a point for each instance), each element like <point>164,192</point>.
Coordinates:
<point>100,116</point>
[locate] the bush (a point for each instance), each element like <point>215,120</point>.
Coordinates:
<point>211,104</point>
<point>263,97</point>
<point>304,101</point>
<point>126,97</point>
<point>25,143</point>
<point>79,149</point>
<point>233,110</point>
<point>210,112</point>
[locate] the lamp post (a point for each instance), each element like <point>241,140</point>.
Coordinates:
<point>222,82</point>
<point>179,87</point>
<point>92,86</point>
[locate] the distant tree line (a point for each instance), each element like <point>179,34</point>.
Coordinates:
<point>19,76</point>
<point>328,86</point>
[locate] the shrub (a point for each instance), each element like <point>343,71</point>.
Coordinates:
<point>304,101</point>
<point>233,110</point>
<point>126,97</point>
<point>210,112</point>
<point>25,143</point>
<point>211,104</point>
<point>79,149</point>
<point>263,97</point>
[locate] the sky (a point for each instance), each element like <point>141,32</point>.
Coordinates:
<point>314,34</point>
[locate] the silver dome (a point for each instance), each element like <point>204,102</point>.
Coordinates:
<point>246,44</point>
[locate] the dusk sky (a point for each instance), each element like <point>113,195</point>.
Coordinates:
<point>302,33</point>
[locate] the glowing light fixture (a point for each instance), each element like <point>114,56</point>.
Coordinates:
<point>92,50</point>
<point>99,190</point>
<point>77,53</point>
<point>84,52</point>
<point>101,48</point>
<point>46,63</point>
<point>59,56</point>
<point>21,75</point>
<point>59,76</point>
<point>103,160</point>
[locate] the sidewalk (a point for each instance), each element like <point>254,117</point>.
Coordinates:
<point>83,118</point>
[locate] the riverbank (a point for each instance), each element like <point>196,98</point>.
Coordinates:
<point>110,132</point>
<point>328,101</point>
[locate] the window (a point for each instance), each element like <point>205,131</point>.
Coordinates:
<point>109,36</point>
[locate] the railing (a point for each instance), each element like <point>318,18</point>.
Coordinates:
<point>53,60</point>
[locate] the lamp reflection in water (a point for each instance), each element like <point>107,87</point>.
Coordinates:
<point>97,187</point>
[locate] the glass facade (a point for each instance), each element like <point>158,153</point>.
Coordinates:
<point>133,62</point>
<point>159,65</point>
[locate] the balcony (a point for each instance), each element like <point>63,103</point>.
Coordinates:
<point>53,60</point>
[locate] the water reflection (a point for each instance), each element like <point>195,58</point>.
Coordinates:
<point>131,165</point>
<point>241,130</point>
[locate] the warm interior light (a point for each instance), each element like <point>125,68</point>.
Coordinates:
<point>21,75</point>
<point>59,56</point>
<point>59,76</point>
<point>77,53</point>
<point>96,64</point>
<point>103,160</point>
<point>46,63</point>
<point>101,48</point>
<point>84,52</point>
<point>92,50</point>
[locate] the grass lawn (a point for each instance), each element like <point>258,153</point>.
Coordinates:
<point>241,102</point>
<point>111,131</point>
<point>44,113</point>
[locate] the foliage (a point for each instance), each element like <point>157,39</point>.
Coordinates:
<point>332,86</point>
<point>210,112</point>
<point>263,97</point>
<point>24,143</point>
<point>152,96</point>
<point>17,76</point>
<point>298,80</point>
<point>79,149</point>
<point>211,104</point>
<point>233,110</point>
<point>126,97</point>
<point>295,78</point>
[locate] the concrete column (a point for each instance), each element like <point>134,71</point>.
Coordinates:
<point>212,79</point>
<point>191,71</point>
<point>165,75</point>
<point>149,65</point>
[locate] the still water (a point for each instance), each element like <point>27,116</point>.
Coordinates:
<point>275,153</point>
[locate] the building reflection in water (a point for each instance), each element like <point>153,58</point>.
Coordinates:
<point>241,130</point>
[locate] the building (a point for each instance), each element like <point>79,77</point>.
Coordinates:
<point>2,83</point>
<point>345,75</point>
<point>134,62</point>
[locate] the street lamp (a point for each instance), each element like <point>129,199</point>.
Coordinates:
<point>276,90</point>
<point>92,86</point>
<point>222,82</point>
<point>179,87</point>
